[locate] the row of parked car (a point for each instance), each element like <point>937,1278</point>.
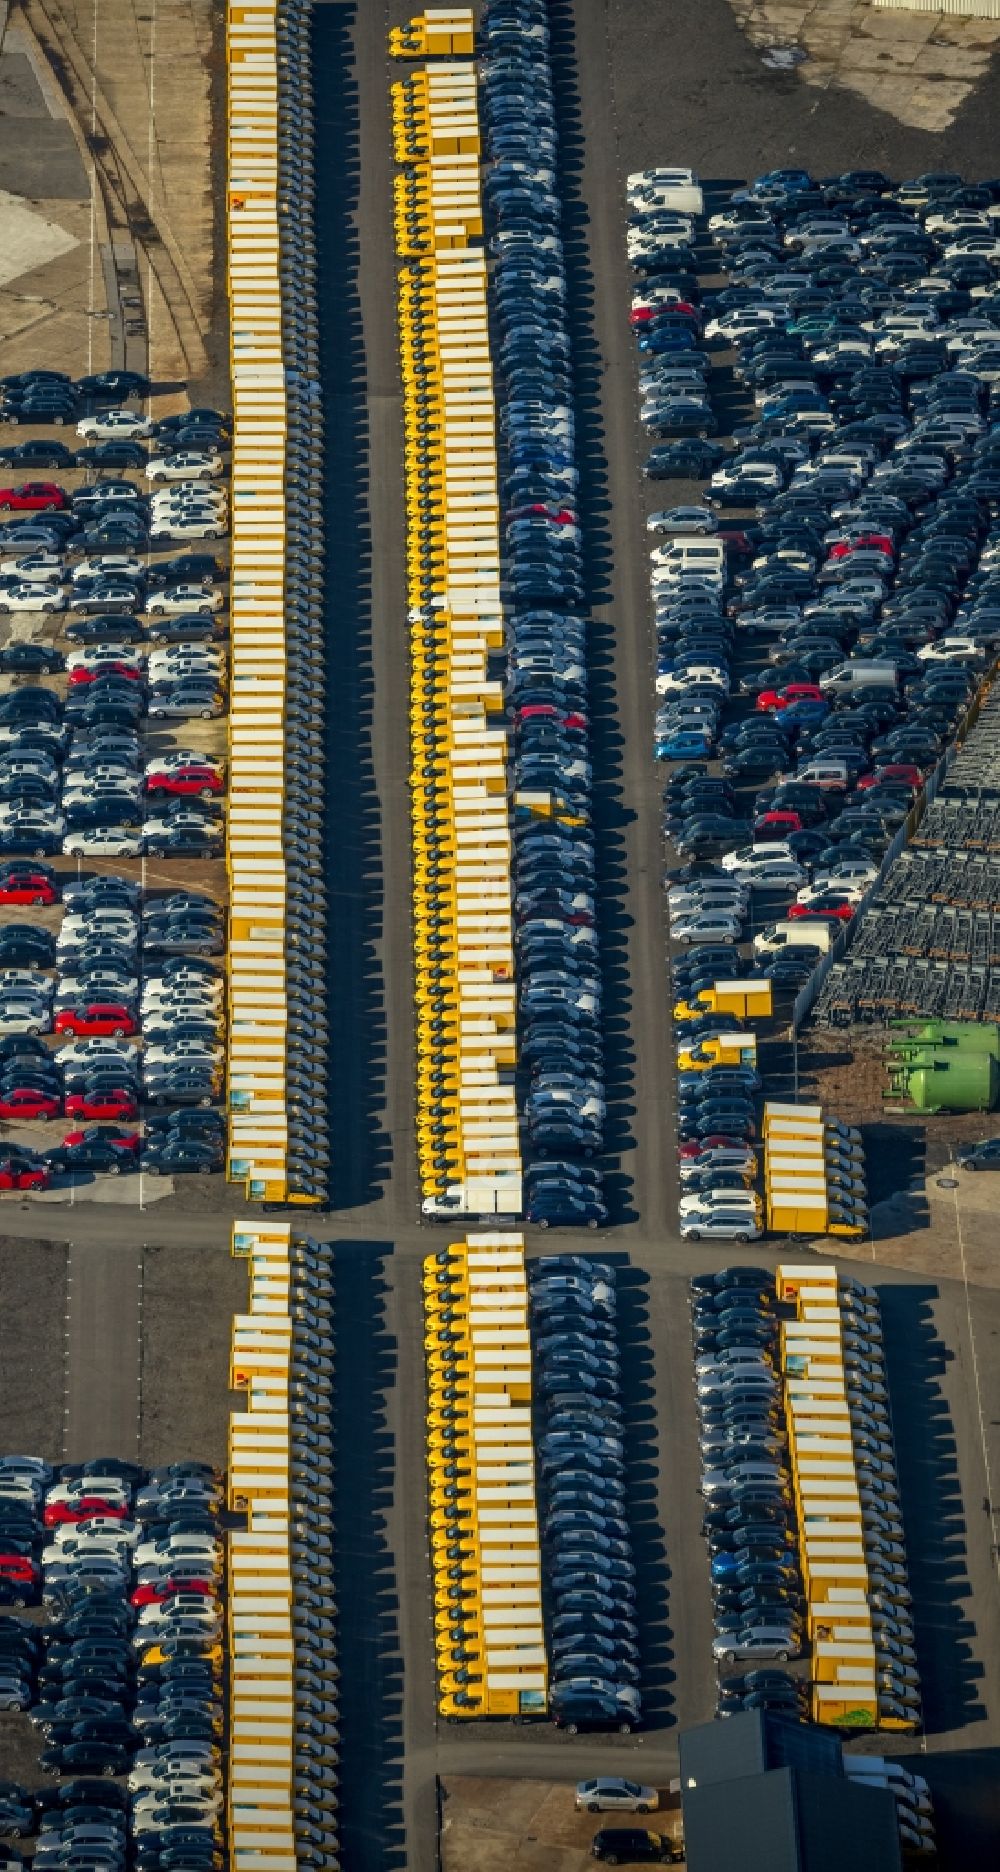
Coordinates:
<point>758,1603</point>
<point>593,1640</point>
<point>813,661</point>
<point>122,972</point>
<point>557,945</point>
<point>124,1678</point>
<point>74,777</point>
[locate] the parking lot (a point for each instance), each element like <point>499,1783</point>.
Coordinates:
<point>729,119</point>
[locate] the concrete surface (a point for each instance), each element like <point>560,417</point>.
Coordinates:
<point>918,67</point>
<point>103,1296</point>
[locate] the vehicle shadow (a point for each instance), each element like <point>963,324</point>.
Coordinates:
<point>610,813</point>
<point>643,1464</point>
<point>360,1145</point>
<point>933,1511</point>
<point>371,1710</point>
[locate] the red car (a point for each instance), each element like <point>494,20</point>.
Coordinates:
<point>155,1592</point>
<point>85,674</point>
<point>27,887</point>
<point>17,1567</point>
<point>562,516</point>
<point>862,542</point>
<point>113,1104</point>
<point>793,692</point>
<point>836,911</point>
<point>201,780</point>
<point>22,1176</point>
<point>125,1141</point>
<point>718,1141</point>
<point>60,1513</point>
<point>547,711</point>
<point>26,1102</point>
<point>897,770</point>
<point>98,1018</point>
<point>31,496</point>
<point>775,824</point>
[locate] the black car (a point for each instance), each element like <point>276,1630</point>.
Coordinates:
<point>102,1159</point>
<point>34,659</point>
<point>632,1846</point>
<point>120,453</point>
<point>37,453</point>
<point>181,1154</point>
<point>113,386</point>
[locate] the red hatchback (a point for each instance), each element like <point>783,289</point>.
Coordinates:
<point>27,887</point>
<point>59,1513</point>
<point>113,1104</point>
<point>98,1018</point>
<point>31,496</point>
<point>897,770</point>
<point>792,692</point>
<point>201,780</point>
<point>21,1176</point>
<point>839,911</point>
<point>26,1102</point>
<point>774,825</point>
<point>156,1591</point>
<point>89,673</point>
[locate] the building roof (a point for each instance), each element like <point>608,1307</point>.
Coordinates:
<point>790,1820</point>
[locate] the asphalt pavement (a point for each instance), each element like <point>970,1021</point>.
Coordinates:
<point>635,86</point>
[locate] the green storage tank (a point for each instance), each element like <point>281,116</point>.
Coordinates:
<point>962,1082</point>
<point>963,1036</point>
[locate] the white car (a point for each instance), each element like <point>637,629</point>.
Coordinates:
<point>108,565</point>
<point>846,871</point>
<point>704,1200</point>
<point>117,923</point>
<point>29,596</point>
<point>170,1054</point>
<point>177,598</point>
<point>199,1773</point>
<point>179,1547</point>
<point>811,893</point>
<point>82,1550</point>
<point>188,464</point>
<point>111,425</point>
<point>746,321</point>
<point>24,1017</point>
<point>189,500</point>
<point>952,650</point>
<point>93,656</point>
<point>184,657</point>
<point>694,676</point>
<point>87,1053</point>
<point>186,526</point>
<point>109,1488</point>
<point>40,567</point>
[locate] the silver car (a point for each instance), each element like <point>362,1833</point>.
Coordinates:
<point>613,1794</point>
<point>756,1641</point>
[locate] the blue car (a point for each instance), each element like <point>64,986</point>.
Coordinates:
<point>682,747</point>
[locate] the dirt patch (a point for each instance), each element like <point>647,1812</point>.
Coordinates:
<point>489,1825</point>
<point>33,1310</point>
<point>189,1296</point>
